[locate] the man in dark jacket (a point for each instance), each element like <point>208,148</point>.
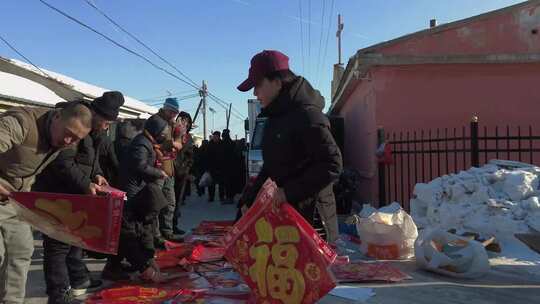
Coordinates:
<point>75,171</point>
<point>108,161</point>
<point>200,163</point>
<point>298,150</point>
<point>126,131</point>
<point>137,171</point>
<point>229,165</point>
<point>216,162</point>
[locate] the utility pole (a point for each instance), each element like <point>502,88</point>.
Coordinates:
<point>338,35</point>
<point>204,92</point>
<point>229,115</point>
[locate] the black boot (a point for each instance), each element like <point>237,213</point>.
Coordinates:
<point>88,286</point>
<point>63,296</point>
<point>113,272</point>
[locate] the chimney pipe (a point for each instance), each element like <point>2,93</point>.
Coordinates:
<point>432,23</point>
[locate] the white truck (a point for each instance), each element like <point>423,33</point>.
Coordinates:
<point>255,129</point>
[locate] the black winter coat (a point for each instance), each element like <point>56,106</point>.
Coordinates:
<point>137,167</point>
<point>215,159</point>
<point>298,149</point>
<point>108,161</point>
<point>74,169</point>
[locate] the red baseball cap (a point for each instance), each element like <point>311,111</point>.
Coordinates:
<point>262,64</point>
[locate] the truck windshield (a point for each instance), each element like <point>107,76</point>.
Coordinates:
<point>258,131</point>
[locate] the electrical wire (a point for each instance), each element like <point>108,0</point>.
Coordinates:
<point>94,6</point>
<point>128,50</point>
<point>24,57</point>
<point>181,98</point>
<point>309,37</point>
<point>225,104</point>
<point>139,41</point>
<point>116,43</point>
<point>301,35</point>
<point>168,95</point>
<point>328,33</point>
<point>320,41</point>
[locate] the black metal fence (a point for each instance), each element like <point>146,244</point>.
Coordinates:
<point>421,156</point>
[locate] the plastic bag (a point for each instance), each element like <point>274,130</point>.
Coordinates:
<point>206,180</point>
<point>388,233</point>
<point>442,252</point>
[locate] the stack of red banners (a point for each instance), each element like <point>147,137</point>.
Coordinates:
<point>361,272</point>
<point>173,255</point>
<point>279,255</point>
<point>86,221</point>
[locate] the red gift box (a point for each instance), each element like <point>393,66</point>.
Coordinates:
<point>279,255</point>
<point>86,221</point>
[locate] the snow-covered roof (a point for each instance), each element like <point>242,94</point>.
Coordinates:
<point>22,88</point>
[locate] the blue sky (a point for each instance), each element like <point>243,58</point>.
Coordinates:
<point>211,39</point>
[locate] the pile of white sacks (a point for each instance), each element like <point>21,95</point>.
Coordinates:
<point>498,199</point>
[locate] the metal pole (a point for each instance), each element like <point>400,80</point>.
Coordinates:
<point>229,115</point>
<point>338,35</point>
<point>382,169</point>
<point>197,112</point>
<point>204,92</point>
<point>475,155</point>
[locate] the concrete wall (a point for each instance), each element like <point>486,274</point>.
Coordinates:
<point>410,98</point>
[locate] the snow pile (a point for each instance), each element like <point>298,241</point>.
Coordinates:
<point>500,199</point>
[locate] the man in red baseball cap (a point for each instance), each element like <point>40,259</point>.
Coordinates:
<point>261,64</point>
<point>298,149</point>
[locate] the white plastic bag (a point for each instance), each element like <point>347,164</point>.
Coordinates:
<point>206,180</point>
<point>388,233</point>
<point>442,252</point>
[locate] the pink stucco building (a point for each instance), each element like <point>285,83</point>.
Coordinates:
<point>486,66</point>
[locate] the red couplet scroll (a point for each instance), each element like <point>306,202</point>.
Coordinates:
<point>279,255</point>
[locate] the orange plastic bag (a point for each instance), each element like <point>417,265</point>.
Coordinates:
<point>279,255</point>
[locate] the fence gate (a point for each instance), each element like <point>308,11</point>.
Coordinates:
<point>421,156</point>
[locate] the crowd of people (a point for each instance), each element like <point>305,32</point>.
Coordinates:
<point>67,150</point>
<point>224,160</point>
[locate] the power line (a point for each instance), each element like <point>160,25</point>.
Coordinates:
<point>220,103</point>
<point>301,34</point>
<point>328,33</point>
<point>179,98</point>
<point>309,36</point>
<point>320,41</point>
<point>139,41</point>
<point>123,47</point>
<point>89,2</point>
<point>24,57</point>
<point>168,95</point>
<point>116,43</point>
<point>225,103</point>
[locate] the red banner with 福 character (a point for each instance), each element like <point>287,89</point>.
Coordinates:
<point>86,221</point>
<point>279,255</point>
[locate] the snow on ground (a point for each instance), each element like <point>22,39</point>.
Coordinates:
<point>498,199</point>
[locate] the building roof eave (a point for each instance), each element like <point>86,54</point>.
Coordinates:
<point>360,64</point>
